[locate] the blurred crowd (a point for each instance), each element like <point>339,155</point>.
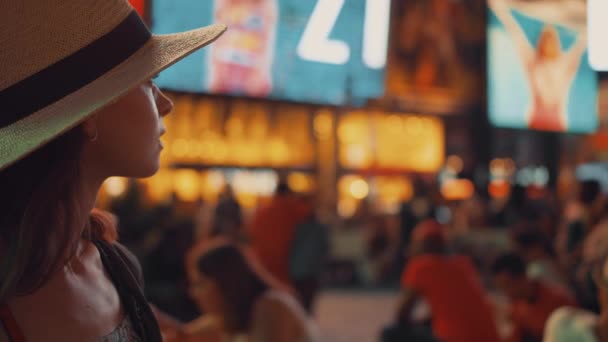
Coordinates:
<point>528,268</point>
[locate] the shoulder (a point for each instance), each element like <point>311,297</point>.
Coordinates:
<point>279,305</point>
<point>276,300</point>
<point>280,309</point>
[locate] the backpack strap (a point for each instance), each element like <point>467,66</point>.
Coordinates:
<point>126,275</point>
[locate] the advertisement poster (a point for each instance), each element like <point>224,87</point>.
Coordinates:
<point>436,55</point>
<point>539,77</point>
<point>325,51</point>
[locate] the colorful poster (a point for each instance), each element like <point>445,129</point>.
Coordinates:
<point>436,54</point>
<point>324,51</point>
<point>538,74</point>
<point>241,62</point>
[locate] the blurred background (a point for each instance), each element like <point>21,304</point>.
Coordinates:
<point>485,116</point>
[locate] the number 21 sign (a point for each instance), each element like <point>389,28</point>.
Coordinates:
<point>316,45</point>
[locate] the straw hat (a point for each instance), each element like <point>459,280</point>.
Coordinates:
<point>61,60</point>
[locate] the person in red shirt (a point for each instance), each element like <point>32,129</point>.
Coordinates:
<point>532,301</point>
<point>272,230</point>
<point>450,284</point>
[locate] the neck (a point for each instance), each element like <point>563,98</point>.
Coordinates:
<point>91,181</point>
<point>87,197</point>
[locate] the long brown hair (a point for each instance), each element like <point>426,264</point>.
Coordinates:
<point>239,278</point>
<point>39,215</point>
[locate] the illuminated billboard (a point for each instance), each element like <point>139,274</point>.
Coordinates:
<point>597,26</point>
<point>325,51</point>
<point>538,72</point>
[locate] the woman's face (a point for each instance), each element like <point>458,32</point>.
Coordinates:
<point>206,293</point>
<point>128,133</point>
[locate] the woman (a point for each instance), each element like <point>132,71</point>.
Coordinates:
<point>240,301</point>
<point>550,70</point>
<point>78,106</point>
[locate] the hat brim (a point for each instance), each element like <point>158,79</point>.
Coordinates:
<point>161,51</point>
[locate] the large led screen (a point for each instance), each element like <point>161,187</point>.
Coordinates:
<point>322,51</point>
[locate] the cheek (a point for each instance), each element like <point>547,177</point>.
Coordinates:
<point>130,142</point>
<point>130,156</point>
<point>138,130</point>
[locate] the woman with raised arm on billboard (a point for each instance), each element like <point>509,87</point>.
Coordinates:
<point>550,69</point>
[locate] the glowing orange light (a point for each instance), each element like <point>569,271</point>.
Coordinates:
<point>499,189</point>
<point>457,189</point>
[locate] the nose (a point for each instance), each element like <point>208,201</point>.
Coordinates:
<point>163,103</point>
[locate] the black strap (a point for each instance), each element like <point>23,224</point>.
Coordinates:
<point>74,71</point>
<point>130,292</point>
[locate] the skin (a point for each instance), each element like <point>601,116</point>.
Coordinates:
<point>79,302</point>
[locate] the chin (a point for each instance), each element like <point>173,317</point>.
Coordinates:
<point>152,171</point>
<point>143,170</point>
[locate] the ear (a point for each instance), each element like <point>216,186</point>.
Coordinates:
<point>90,126</point>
